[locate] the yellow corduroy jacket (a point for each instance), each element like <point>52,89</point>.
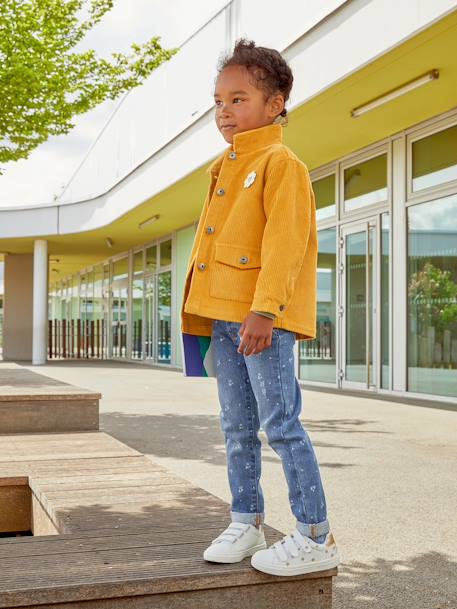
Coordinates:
<point>255,248</point>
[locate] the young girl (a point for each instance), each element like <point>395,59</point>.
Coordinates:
<point>251,286</point>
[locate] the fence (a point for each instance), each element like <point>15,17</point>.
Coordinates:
<point>76,338</point>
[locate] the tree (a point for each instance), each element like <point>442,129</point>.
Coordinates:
<point>43,83</point>
<point>433,293</point>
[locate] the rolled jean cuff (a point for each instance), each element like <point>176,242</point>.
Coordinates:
<point>248,517</point>
<point>313,529</point>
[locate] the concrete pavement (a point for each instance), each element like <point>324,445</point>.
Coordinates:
<point>388,468</point>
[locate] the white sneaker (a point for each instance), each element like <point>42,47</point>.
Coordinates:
<point>297,554</point>
<point>236,542</point>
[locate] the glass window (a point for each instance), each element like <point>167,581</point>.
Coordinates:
<point>137,306</point>
<point>435,159</point>
<point>432,297</point>
<point>90,295</point>
<point>324,194</point>
<point>119,307</point>
<point>385,361</point>
<point>365,183</point>
<point>164,310</point>
<point>98,310</point>
<point>317,358</point>
<point>98,292</point>
<point>150,315</point>
<point>74,297</point>
<point>106,308</point>
<point>165,253</point>
<point>82,295</point>
<point>151,259</point>
<point>356,305</point>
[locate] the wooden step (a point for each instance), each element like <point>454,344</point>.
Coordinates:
<point>113,529</point>
<point>32,402</point>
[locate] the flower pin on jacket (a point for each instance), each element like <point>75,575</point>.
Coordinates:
<point>249,179</point>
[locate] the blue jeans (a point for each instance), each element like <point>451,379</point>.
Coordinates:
<point>261,390</point>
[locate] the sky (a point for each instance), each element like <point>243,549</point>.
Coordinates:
<point>35,180</point>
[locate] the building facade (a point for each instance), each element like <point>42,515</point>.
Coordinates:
<point>378,132</point>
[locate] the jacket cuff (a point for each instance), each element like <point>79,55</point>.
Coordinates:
<point>268,304</point>
<point>266,314</point>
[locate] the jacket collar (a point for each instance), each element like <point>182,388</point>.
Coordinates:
<point>250,140</point>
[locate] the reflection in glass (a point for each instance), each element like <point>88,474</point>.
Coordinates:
<point>74,297</point>
<point>82,296</point>
<point>98,312</point>
<point>164,311</point>
<point>137,306</point>
<point>151,259</point>
<point>165,252</point>
<point>317,358</point>
<point>365,183</point>
<point>356,307</point>
<point>98,295</point>
<point>385,361</point>
<point>106,307</point>
<point>324,194</point>
<point>435,159</point>
<point>119,307</point>
<point>149,300</point>
<point>432,297</point>
<point>371,303</point>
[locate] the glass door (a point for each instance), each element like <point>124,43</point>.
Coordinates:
<point>358,310</point>
<point>164,318</point>
<point>150,290</point>
<point>119,299</point>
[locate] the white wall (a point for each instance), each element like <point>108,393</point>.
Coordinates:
<point>152,142</point>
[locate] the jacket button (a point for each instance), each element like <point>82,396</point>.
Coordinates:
<point>282,307</point>
<point>202,266</point>
<point>243,259</point>
<point>220,191</point>
<point>210,229</point>
<point>232,155</point>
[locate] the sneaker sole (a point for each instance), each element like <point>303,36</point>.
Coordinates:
<point>238,556</point>
<point>322,565</point>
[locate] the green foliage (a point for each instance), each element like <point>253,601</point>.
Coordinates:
<point>43,84</point>
<point>433,293</point>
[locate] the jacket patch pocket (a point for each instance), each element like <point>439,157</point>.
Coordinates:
<point>234,272</point>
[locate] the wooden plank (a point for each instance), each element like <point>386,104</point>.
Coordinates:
<point>73,483</point>
<point>41,522</point>
<point>16,547</point>
<point>121,572</point>
<point>128,530</point>
<point>28,447</point>
<point>21,416</point>
<point>76,467</point>
<point>307,594</point>
<point>31,385</point>
<point>15,508</point>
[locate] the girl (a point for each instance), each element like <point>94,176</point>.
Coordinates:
<point>253,291</point>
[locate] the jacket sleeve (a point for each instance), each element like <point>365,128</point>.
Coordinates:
<point>266,314</point>
<point>288,202</point>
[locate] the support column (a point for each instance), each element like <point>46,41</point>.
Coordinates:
<point>399,324</point>
<point>40,302</point>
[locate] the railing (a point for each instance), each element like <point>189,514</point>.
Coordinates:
<point>76,338</point>
<point>323,346</point>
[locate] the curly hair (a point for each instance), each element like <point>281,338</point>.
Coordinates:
<point>270,70</point>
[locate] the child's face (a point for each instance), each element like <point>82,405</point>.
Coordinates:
<point>240,105</point>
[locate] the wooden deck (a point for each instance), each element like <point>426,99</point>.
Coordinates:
<point>112,529</point>
<point>32,402</point>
